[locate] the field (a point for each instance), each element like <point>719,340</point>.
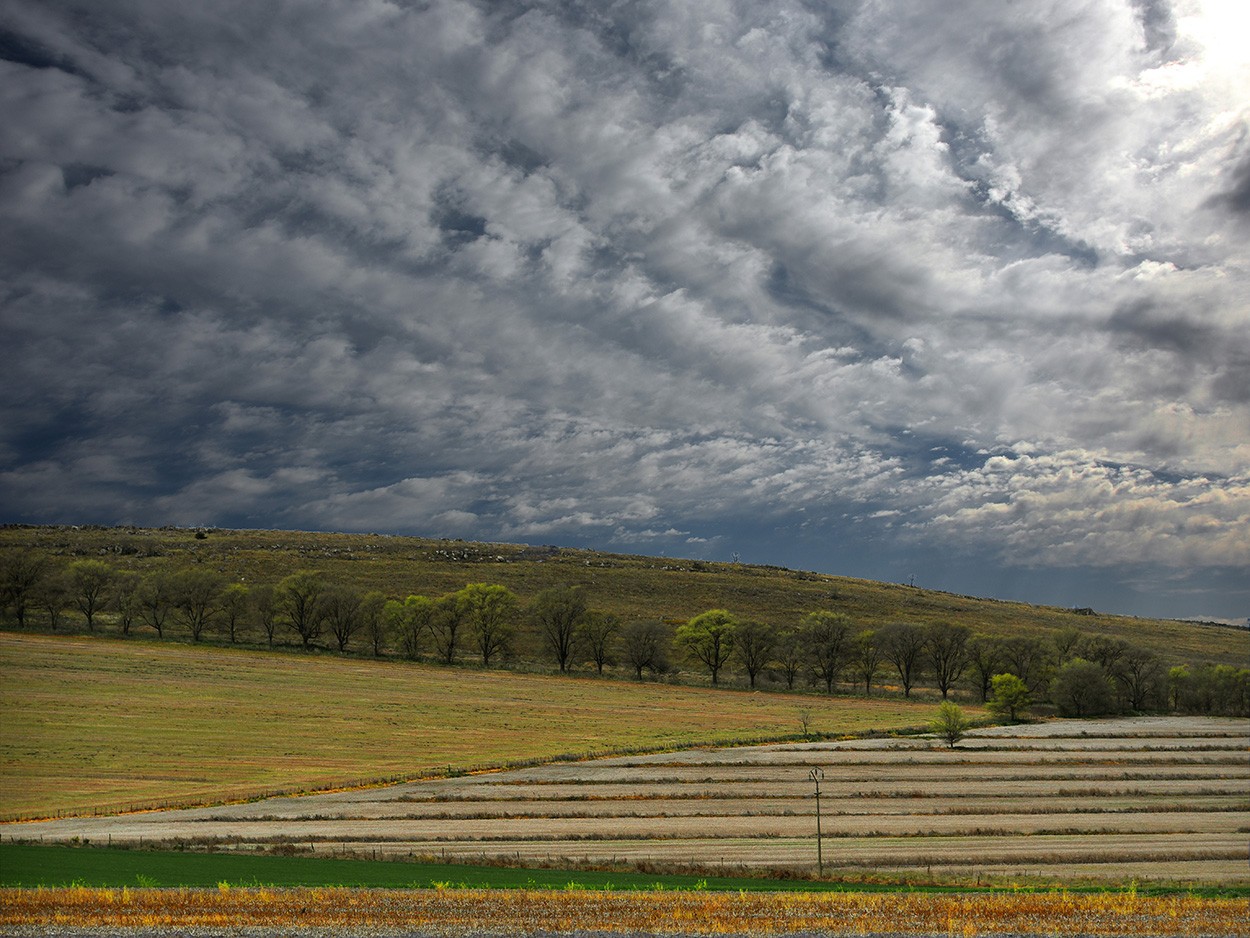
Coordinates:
<point>633,587</point>
<point>1116,800</point>
<point>544,912</point>
<point>96,725</point>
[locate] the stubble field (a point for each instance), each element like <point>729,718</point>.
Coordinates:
<point>1111,800</point>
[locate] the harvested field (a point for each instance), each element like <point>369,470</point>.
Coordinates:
<point>1112,800</point>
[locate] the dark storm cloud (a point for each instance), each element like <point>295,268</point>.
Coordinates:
<point>662,274</point>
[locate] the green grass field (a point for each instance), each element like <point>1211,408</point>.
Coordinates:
<point>101,724</point>
<point>32,866</point>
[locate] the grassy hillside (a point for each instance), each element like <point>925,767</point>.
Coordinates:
<point>98,724</point>
<point>631,586</point>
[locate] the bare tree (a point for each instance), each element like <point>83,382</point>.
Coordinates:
<point>986,659</point>
<point>156,601</point>
<point>947,647</point>
<point>790,655</point>
<point>90,582</point>
<point>299,600</point>
<point>643,644</point>
<point>827,643</point>
<point>372,623</point>
<point>1140,675</point>
<point>559,613</point>
<point>341,607</point>
<point>754,645</point>
<point>197,595</point>
<point>597,631</point>
<point>902,644</point>
<point>492,610</point>
<point>447,623</point>
<point>20,574</point>
<point>1028,659</point>
<point>264,604</point>
<point>126,599</point>
<point>866,658</point>
<point>235,605</point>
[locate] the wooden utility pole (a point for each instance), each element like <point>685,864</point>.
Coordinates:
<point>816,775</point>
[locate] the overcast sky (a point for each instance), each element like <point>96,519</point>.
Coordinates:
<point>957,291</point>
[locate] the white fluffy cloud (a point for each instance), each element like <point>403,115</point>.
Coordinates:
<point>644,275</point>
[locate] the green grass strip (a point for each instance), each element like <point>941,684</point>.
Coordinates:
<point>30,866</point>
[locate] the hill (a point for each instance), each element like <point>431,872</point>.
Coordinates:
<point>632,586</point>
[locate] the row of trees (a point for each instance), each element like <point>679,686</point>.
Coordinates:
<point>1079,674</point>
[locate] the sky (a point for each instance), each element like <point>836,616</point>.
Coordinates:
<point>954,294</point>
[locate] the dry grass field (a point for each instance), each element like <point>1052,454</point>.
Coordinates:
<point>1164,798</point>
<point>97,725</point>
<point>419,913</point>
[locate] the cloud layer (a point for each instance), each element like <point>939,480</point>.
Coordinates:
<point>846,286</point>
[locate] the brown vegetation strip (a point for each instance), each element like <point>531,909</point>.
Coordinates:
<point>650,912</point>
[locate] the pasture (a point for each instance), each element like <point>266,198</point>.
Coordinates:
<point>101,725</point>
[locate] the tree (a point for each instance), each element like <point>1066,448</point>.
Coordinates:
<point>156,601</point>
<point>643,645</point>
<point>20,574</point>
<point>1028,659</point>
<point>866,658</point>
<point>950,723</point>
<point>126,599</point>
<point>1139,673</point>
<point>264,604</point>
<point>1081,689</point>
<point>709,638</point>
<point>299,600</point>
<point>409,621</point>
<point>790,655</point>
<point>235,605</point>
<point>902,644</point>
<point>371,622</point>
<point>492,610</point>
<point>754,643</point>
<point>448,620</point>
<point>559,613</point>
<point>986,659</point>
<point>52,594</point>
<point>90,582</point>
<point>947,648</point>
<point>597,631</point>
<point>1009,696</point>
<point>196,594</point>
<point>1068,642</point>
<point>341,606</point>
<point>827,644</point>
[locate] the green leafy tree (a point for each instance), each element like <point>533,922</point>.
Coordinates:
<point>949,723</point>
<point>902,644</point>
<point>1010,697</point>
<point>90,582</point>
<point>597,633</point>
<point>411,621</point>
<point>1081,689</point>
<point>559,614</point>
<point>754,643</point>
<point>827,641</point>
<point>947,648</point>
<point>299,599</point>
<point>709,638</point>
<point>492,611</point>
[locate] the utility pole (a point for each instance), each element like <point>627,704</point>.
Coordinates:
<point>816,775</point>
